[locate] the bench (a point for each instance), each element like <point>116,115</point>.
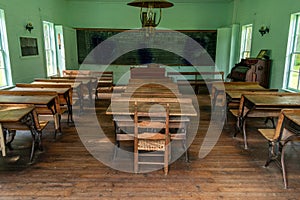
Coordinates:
<point>196,79</point>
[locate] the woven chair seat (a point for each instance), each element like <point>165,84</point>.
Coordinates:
<point>151,145</point>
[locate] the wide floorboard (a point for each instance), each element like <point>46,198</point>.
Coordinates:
<point>66,169</point>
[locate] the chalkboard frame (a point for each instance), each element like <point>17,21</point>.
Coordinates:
<point>87,39</point>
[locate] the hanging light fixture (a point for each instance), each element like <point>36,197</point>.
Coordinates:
<point>149,11</point>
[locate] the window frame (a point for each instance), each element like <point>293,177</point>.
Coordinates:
<point>5,68</point>
<point>50,48</point>
<point>291,53</point>
<point>245,41</point>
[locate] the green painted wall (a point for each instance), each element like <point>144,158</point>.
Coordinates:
<point>182,16</point>
<point>17,14</point>
<point>276,15</point>
<point>92,14</point>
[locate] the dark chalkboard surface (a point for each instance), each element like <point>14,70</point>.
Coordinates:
<point>88,39</point>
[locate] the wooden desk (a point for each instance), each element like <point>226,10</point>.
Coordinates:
<point>151,92</point>
<point>11,115</point>
<point>43,104</point>
<point>293,117</point>
<point>196,78</point>
<point>219,88</point>
<point>89,82</point>
<point>181,110</point>
<point>155,88</point>
<point>264,105</point>
<point>105,81</point>
<point>64,93</point>
<point>76,86</point>
<point>125,106</point>
<point>291,122</point>
<point>286,131</point>
<point>234,96</point>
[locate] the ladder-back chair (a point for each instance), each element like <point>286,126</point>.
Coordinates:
<point>151,138</point>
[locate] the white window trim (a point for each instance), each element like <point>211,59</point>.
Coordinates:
<point>52,48</point>
<point>243,39</point>
<point>289,49</point>
<point>6,57</point>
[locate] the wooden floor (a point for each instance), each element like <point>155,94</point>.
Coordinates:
<point>66,170</point>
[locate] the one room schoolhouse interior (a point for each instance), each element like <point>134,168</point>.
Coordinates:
<point>149,99</point>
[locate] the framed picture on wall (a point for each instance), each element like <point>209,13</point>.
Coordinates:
<point>29,46</point>
<point>264,53</point>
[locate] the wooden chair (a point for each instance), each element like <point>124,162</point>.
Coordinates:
<point>178,126</point>
<point>278,138</point>
<point>151,139</point>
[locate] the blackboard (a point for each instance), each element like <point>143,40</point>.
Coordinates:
<point>88,39</point>
<point>29,46</point>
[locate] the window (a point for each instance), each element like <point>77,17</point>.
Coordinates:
<point>292,63</point>
<point>246,41</point>
<point>50,49</point>
<point>5,73</point>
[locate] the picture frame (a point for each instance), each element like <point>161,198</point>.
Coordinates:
<point>29,46</point>
<point>264,53</point>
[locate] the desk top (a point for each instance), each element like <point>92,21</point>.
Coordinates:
<point>72,77</point>
<point>236,94</point>
<point>72,84</point>
<point>41,89</point>
<point>265,100</point>
<point>139,88</point>
<point>236,85</point>
<point>176,109</point>
<point>294,116</point>
<point>14,113</point>
<point>18,99</point>
<point>68,80</point>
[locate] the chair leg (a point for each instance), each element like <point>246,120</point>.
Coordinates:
<point>115,152</point>
<point>96,94</point>
<point>33,135</point>
<point>283,167</point>
<point>11,137</point>
<point>237,126</point>
<point>185,151</point>
<point>2,142</point>
<point>166,160</point>
<point>245,135</point>
<point>273,153</point>
<point>135,162</point>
